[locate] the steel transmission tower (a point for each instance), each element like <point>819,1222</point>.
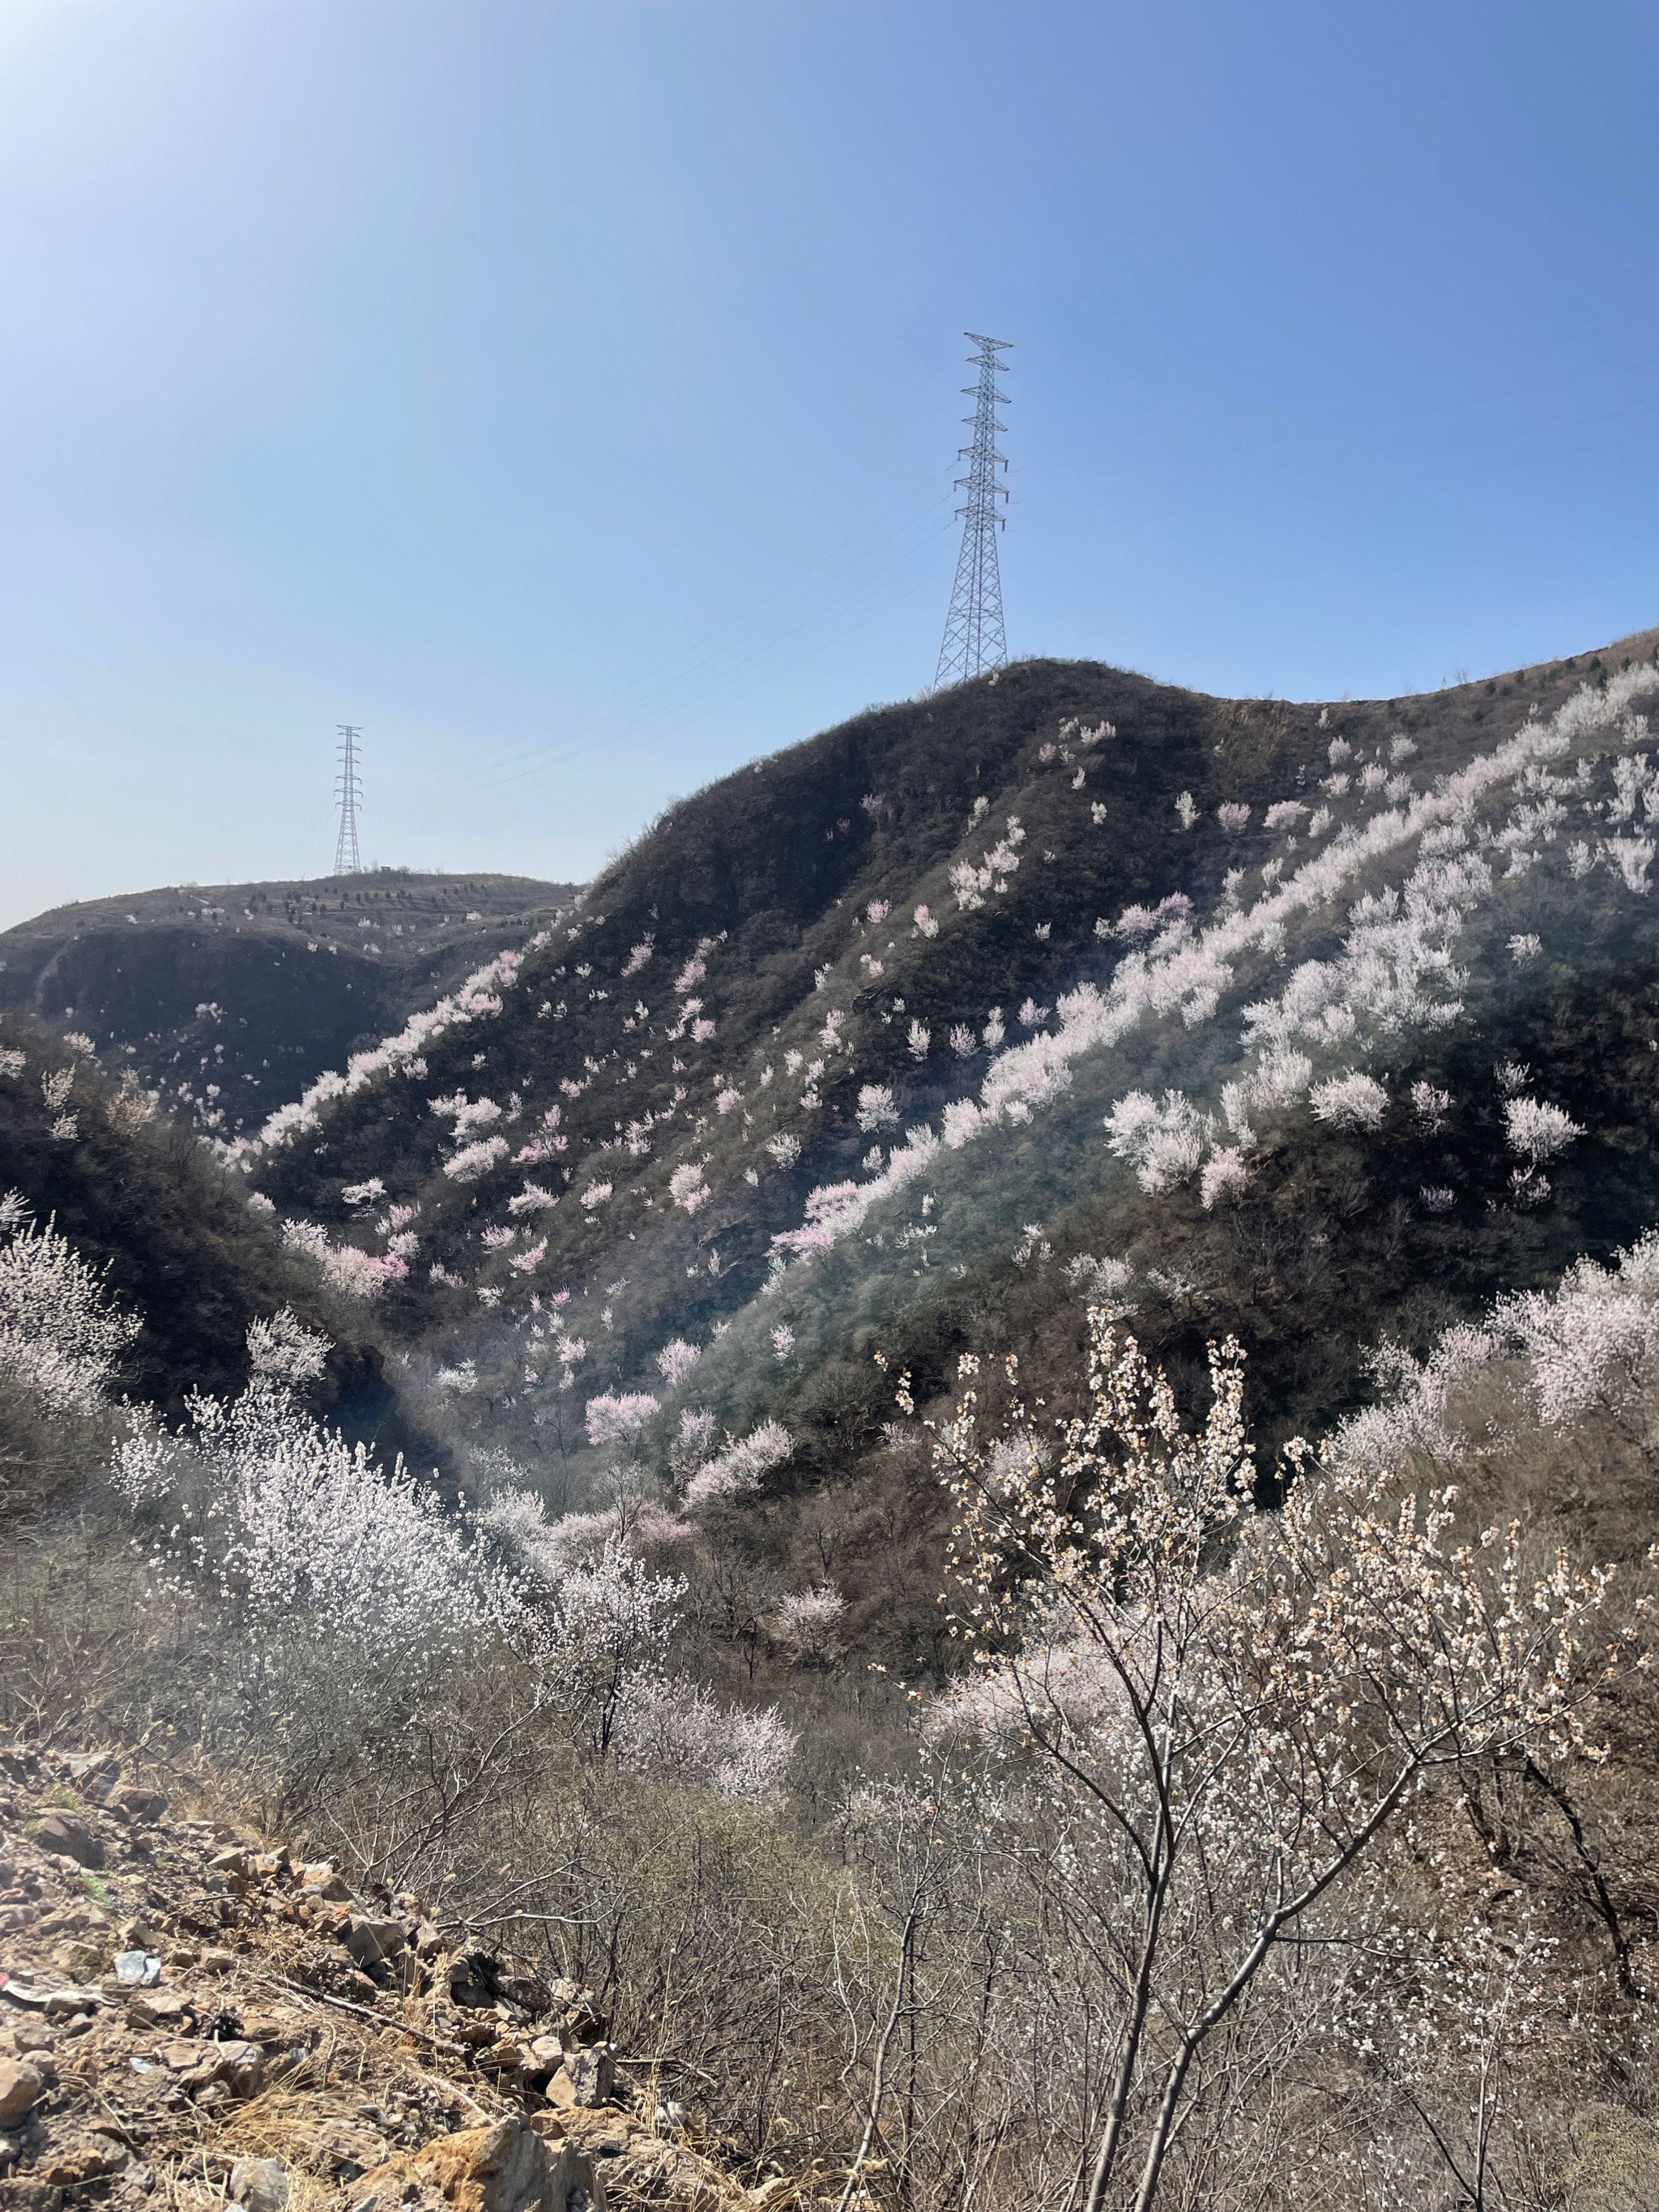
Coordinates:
<point>349,787</point>
<point>973,638</point>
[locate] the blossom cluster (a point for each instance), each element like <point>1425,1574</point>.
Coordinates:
<point>61,1334</point>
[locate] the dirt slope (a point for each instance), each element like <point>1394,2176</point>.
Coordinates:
<point>188,2018</point>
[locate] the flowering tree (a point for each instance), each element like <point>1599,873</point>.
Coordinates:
<point>876,1109</point>
<point>603,1635</point>
<point>807,1623</point>
<point>741,1464</point>
<point>676,1360</point>
<point>1224,1175</point>
<point>346,1268</point>
<point>1164,1141</point>
<point>59,1335</point>
<point>678,1728</point>
<point>332,1591</point>
<point>610,1417</point>
<point>474,1160</point>
<point>283,1350</point>
<point>1441,2022</point>
<point>1537,1130</point>
<point>1351,1101</point>
<point>687,1187</point>
<point>1589,1346</point>
<point>1223,1707</point>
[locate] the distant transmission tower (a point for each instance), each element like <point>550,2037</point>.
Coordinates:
<point>349,788</point>
<point>973,639</point>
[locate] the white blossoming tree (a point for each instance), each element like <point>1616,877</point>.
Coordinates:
<point>61,1336</point>
<point>328,1591</point>
<point>1223,1707</point>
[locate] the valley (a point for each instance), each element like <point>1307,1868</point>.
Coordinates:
<point>754,1409</point>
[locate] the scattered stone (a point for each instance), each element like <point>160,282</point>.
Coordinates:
<point>25,2194</point>
<point>587,2075</point>
<point>158,2069</point>
<point>322,1881</point>
<point>259,2184</point>
<point>371,1942</point>
<point>239,2066</point>
<point>543,2056</point>
<point>506,2167</point>
<point>642,2169</point>
<point>106,2154</point>
<point>70,1838</point>
<point>22,2086</point>
<point>129,1802</point>
<point>580,2019</point>
<point>470,1981</point>
<point>524,1990</point>
<point>347,2150</point>
<point>63,2003</point>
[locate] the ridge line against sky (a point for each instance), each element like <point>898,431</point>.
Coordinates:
<point>570,397</point>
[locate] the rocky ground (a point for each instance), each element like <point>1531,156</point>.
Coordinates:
<point>189,2020</point>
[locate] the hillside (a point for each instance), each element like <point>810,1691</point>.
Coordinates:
<point>228,998</point>
<point>825,1058</point>
<point>832,1644</point>
<point>108,1192</point>
<point>188,2011</point>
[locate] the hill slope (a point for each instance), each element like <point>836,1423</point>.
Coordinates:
<point>1323,1027</point>
<point>188,2011</point>
<point>918,1031</point>
<point>226,1000</point>
<point>88,1166</point>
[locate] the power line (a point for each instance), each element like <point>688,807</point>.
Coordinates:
<point>974,636</point>
<point>721,678</point>
<point>349,789</point>
<point>680,673</point>
<point>614,736</point>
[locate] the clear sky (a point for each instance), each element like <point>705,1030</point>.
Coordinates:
<point>566,391</point>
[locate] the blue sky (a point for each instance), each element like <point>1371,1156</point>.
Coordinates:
<point>568,393</point>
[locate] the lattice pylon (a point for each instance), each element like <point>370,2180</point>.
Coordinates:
<point>348,787</point>
<point>974,636</point>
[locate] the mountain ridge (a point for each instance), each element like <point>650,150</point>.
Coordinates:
<point>195,985</point>
<point>677,1121</point>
